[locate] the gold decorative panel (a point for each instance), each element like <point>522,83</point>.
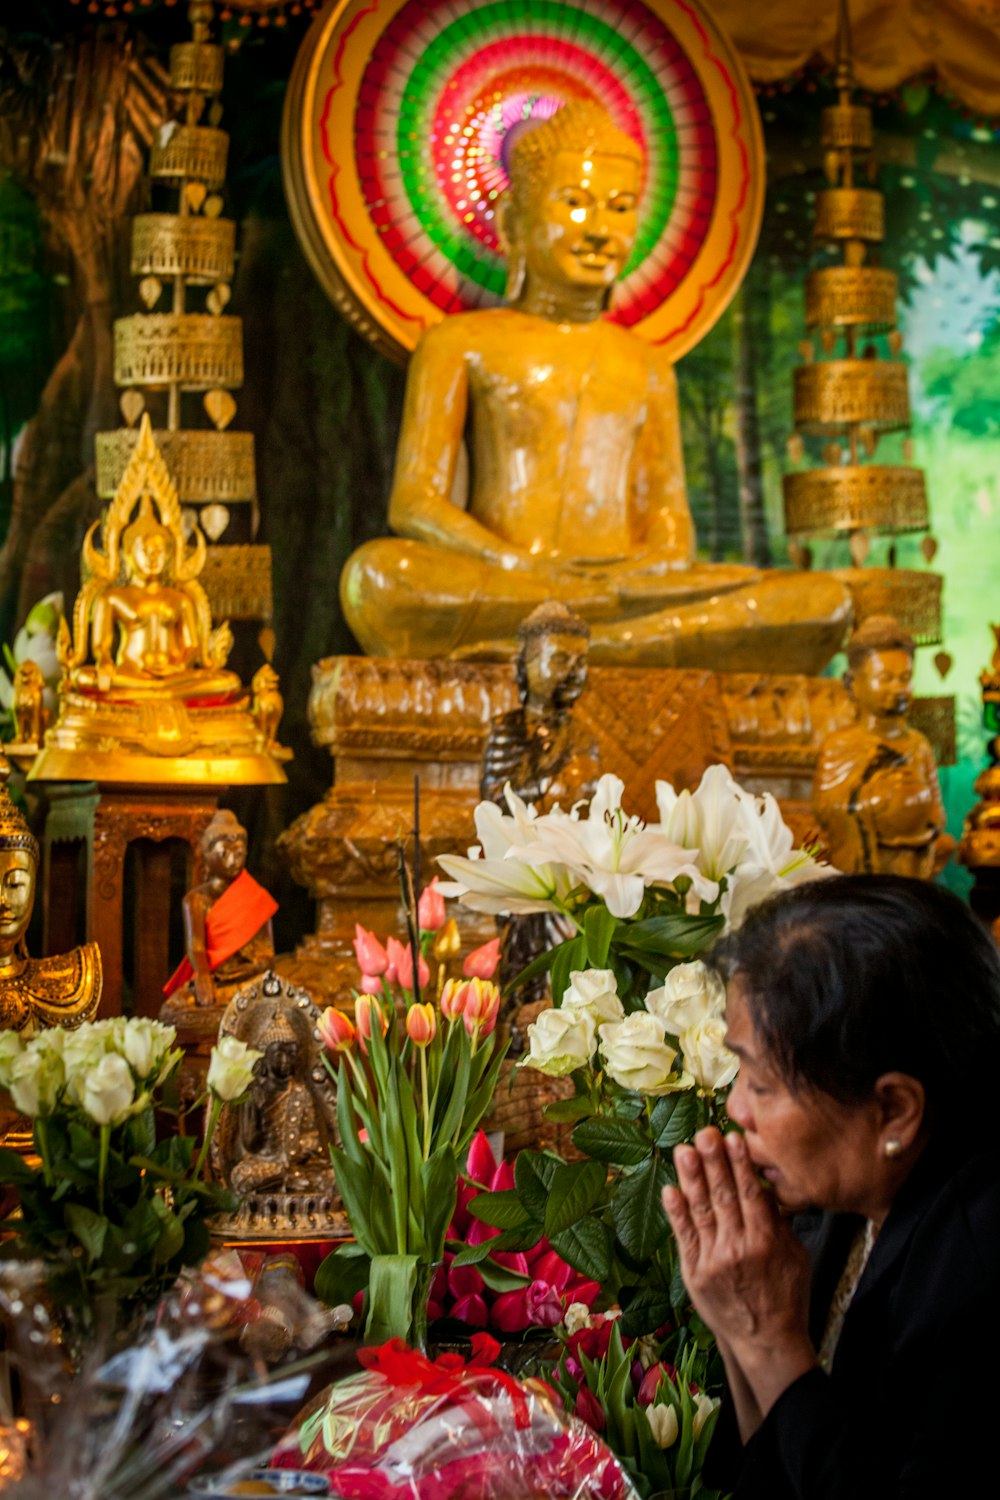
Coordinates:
<point>851,297</point>
<point>193,153</point>
<point>170,245</point>
<point>849,213</point>
<point>879,497</point>
<point>205,466</point>
<point>194,350</point>
<point>839,392</point>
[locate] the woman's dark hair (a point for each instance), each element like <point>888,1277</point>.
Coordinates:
<point>859,975</point>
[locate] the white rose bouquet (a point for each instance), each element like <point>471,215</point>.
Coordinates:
<point>112,1209</point>
<point>637,1020</point>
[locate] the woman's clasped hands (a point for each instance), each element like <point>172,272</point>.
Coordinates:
<point>746,1273</point>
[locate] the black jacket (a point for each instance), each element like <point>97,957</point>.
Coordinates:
<point>911,1407</point>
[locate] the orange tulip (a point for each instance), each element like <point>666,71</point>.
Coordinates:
<point>421,1024</point>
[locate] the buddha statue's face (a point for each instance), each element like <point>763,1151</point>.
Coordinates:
<point>555,667</point>
<point>226,855</point>
<point>149,553</point>
<point>580,229</point>
<point>282,1059</point>
<point>881,684</point>
<point>17,895</point>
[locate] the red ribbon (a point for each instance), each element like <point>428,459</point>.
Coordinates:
<point>401,1365</point>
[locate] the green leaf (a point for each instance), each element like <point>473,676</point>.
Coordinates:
<point>90,1228</point>
<point>509,1239</point>
<point>440,1176</point>
<point>574,1192</point>
<point>599,927</point>
<point>561,1110</point>
<point>619,1141</point>
<point>647,1311</point>
<point>14,1170</point>
<point>637,1211</point>
<point>533,1174</point>
<point>670,935</point>
<point>499,1278</point>
<point>503,1210</point>
<point>344,1273</point>
<point>390,1297</point>
<point>355,1182</point>
<point>572,955</point>
<point>674,1118</point>
<point>584,1246</point>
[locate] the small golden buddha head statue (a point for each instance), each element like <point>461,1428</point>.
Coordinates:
<point>880,667</point>
<point>146,548</point>
<point>18,871</point>
<point>224,846</point>
<point>571,212</point>
<point>552,662</point>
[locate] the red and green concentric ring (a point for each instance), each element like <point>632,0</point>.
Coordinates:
<point>443,85</point>
<point>395,122</point>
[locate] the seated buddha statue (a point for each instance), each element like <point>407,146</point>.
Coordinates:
<point>146,636</point>
<point>574,484</point>
<point>876,794</point>
<point>62,990</point>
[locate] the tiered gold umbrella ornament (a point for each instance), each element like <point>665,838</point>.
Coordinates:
<point>163,358</point>
<point>854,395</point>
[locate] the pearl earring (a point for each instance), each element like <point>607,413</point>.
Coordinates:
<point>892,1148</point>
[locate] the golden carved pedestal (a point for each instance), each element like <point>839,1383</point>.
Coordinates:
<point>384,721</point>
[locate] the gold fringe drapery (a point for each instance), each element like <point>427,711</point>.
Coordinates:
<point>893,40</point>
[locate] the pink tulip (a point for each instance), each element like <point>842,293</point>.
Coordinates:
<point>512,1260</point>
<point>482,962</point>
<point>471,1310</point>
<point>482,1005</point>
<point>372,957</point>
<point>430,908</point>
<point>364,1005</point>
<point>465,1281</point>
<point>421,1024</point>
<point>551,1268</point>
<point>503,1178</point>
<point>453,998</point>
<point>509,1312</point>
<point>481,1163</point>
<point>404,969</point>
<point>395,952</point>
<point>336,1030</point>
<point>370,984</point>
<point>651,1381</point>
<point>478,1232</point>
<point>544,1305</point>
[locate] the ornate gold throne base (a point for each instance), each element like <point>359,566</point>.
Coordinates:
<point>385,721</point>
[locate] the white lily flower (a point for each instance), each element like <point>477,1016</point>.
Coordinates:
<point>494,877</point>
<point>616,856</point>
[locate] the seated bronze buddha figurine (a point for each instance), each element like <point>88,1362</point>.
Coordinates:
<point>574,485</point>
<point>62,990</point>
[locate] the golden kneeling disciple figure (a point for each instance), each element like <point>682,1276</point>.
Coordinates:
<point>876,794</point>
<point>63,990</point>
<point>574,485</point>
<point>145,696</point>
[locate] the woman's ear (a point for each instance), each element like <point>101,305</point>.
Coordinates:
<point>902,1106</point>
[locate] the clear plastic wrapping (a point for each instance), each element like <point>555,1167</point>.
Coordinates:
<point>409,1428</point>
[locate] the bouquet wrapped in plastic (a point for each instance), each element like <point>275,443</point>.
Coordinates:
<point>411,1428</point>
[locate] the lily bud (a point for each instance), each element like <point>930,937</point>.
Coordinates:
<point>336,1030</point>
<point>482,962</point>
<point>430,908</point>
<point>372,957</point>
<point>421,1024</point>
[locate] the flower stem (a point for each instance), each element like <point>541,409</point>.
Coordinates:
<point>213,1120</point>
<point>42,1138</point>
<point>102,1165</point>
<point>425,1102</point>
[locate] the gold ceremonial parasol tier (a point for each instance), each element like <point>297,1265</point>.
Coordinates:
<point>913,598</point>
<point>849,213</point>
<point>190,153</point>
<point>862,297</point>
<point>237,580</point>
<point>846,127</point>
<point>829,397</point>
<point>173,245</point>
<point>195,351</point>
<point>876,497</point>
<point>197,66</point>
<point>207,467</point>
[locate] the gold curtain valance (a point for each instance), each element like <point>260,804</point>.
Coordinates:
<point>893,40</point>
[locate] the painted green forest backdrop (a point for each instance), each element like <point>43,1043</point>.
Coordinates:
<point>324,408</point>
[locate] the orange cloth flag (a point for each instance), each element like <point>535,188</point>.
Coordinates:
<point>233,920</point>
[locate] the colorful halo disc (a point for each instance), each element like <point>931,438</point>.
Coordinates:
<point>393,152</point>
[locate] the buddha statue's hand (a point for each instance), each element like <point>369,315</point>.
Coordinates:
<point>105,676</point>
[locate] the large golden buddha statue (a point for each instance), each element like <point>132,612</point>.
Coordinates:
<point>574,485</point>
<point>63,990</point>
<point>145,696</point>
